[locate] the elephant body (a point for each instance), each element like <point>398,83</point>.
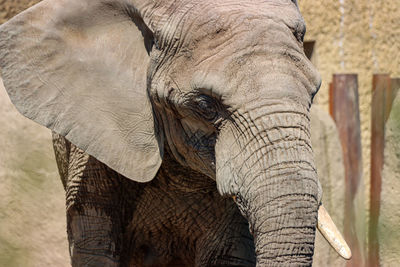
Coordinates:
<point>182,128</point>
<point>178,219</point>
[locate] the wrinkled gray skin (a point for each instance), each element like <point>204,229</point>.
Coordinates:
<point>171,110</point>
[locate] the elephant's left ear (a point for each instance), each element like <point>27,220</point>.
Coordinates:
<point>79,68</point>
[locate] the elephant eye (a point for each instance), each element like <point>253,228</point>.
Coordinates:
<point>206,107</point>
<point>299,31</point>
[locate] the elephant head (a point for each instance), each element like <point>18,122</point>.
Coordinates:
<point>225,85</point>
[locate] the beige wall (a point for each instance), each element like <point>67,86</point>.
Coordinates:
<point>10,8</point>
<point>389,219</point>
<point>32,201</point>
<point>355,36</point>
<point>32,198</point>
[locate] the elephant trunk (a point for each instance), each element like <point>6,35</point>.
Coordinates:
<point>268,168</point>
<point>282,211</point>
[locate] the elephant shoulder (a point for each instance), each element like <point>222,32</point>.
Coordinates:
<point>62,148</point>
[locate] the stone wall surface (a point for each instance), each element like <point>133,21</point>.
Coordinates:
<point>354,36</point>
<point>10,8</point>
<point>32,206</point>
<point>32,209</point>
<point>329,163</point>
<point>389,219</point>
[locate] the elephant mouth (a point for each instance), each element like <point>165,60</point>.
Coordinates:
<point>329,231</point>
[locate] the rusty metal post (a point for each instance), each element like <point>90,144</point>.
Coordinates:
<point>345,111</point>
<point>382,98</point>
<point>331,104</point>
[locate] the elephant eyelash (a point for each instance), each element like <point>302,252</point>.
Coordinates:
<point>298,32</point>
<point>203,106</point>
<point>207,107</point>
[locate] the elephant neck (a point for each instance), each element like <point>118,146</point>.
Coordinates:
<point>181,178</point>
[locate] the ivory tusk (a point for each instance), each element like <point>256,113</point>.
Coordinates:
<point>328,229</point>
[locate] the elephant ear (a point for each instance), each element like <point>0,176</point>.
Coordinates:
<point>79,68</point>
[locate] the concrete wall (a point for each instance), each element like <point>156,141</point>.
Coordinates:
<point>329,163</point>
<point>32,209</point>
<point>10,8</point>
<point>355,36</point>
<point>389,219</point>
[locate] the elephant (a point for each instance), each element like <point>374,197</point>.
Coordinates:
<point>181,128</point>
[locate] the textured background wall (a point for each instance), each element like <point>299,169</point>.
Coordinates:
<point>355,36</point>
<point>32,209</point>
<point>329,163</point>
<point>389,220</point>
<point>10,8</point>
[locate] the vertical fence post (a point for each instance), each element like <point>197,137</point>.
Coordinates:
<point>331,104</point>
<point>344,108</point>
<point>382,98</point>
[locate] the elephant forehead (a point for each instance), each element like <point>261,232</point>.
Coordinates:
<point>225,46</point>
<point>191,21</point>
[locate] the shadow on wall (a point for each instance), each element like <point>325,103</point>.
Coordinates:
<point>330,168</point>
<point>32,209</point>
